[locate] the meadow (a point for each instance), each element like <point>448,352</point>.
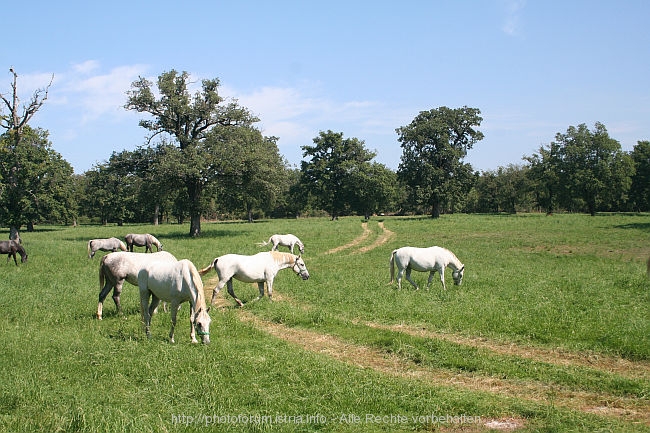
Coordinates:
<point>550,331</point>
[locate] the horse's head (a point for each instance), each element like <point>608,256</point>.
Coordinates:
<point>301,247</point>
<point>202,324</point>
<point>458,276</point>
<point>300,268</point>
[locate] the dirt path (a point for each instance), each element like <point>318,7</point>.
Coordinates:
<point>381,239</point>
<point>356,241</point>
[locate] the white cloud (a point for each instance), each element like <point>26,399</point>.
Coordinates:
<point>513,10</point>
<point>95,95</point>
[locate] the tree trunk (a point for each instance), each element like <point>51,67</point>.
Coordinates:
<point>155,214</point>
<point>435,210</point>
<point>14,234</point>
<point>195,225</point>
<point>194,189</point>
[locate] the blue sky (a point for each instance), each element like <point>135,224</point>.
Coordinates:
<point>363,68</point>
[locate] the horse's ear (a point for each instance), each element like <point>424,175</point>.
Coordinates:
<point>462,269</point>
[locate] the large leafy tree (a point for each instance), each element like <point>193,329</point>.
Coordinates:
<point>253,173</point>
<point>36,182</point>
<point>327,175</point>
<point>433,147</point>
<point>188,119</point>
<point>544,174</point>
<point>584,169</point>
<point>640,189</point>
<point>374,188</point>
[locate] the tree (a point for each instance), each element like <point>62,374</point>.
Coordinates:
<point>595,173</point>
<point>252,171</point>
<point>433,147</point>
<point>374,188</point>
<point>15,124</point>
<point>640,189</point>
<point>328,174</point>
<point>188,119</point>
<point>36,182</point>
<point>544,174</point>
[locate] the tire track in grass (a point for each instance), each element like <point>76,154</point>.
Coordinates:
<point>356,241</point>
<point>379,241</point>
<point>605,363</point>
<point>624,408</point>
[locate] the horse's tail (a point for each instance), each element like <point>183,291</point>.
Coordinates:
<point>392,266</point>
<point>89,242</point>
<point>122,246</point>
<point>102,277</point>
<point>261,244</point>
<point>207,268</point>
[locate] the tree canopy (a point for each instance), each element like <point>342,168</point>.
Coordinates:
<point>433,147</point>
<point>188,119</point>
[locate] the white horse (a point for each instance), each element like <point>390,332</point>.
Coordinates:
<point>142,240</point>
<point>174,283</point>
<point>258,268</point>
<point>430,260</point>
<point>287,240</point>
<point>115,268</point>
<point>110,244</point>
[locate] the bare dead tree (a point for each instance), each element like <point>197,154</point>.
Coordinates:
<point>16,120</point>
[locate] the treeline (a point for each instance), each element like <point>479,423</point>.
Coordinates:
<point>211,162</point>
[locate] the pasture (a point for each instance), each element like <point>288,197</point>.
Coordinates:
<point>549,331</point>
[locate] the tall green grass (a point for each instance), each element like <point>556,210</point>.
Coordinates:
<point>568,281</point>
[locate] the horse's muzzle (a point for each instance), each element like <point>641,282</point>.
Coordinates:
<point>304,275</point>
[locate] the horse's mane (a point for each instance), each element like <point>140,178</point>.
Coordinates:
<point>198,283</point>
<point>281,257</point>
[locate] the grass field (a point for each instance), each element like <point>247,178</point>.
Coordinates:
<point>550,331</point>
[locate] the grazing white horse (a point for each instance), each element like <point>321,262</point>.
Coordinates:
<point>110,244</point>
<point>430,260</point>
<point>142,240</point>
<point>174,283</point>
<point>115,268</point>
<point>258,268</point>
<point>287,240</point>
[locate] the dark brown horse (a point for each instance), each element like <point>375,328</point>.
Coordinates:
<point>11,248</point>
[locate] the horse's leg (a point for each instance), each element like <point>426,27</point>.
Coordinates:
<point>260,286</point>
<point>192,330</point>
<point>269,288</point>
<point>408,277</point>
<point>154,305</point>
<point>117,291</point>
<point>144,307</point>
<point>102,295</point>
<point>430,278</point>
<point>15,261</point>
<point>442,278</point>
<point>216,290</point>
<point>174,312</point>
<point>400,272</point>
<point>232,293</point>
